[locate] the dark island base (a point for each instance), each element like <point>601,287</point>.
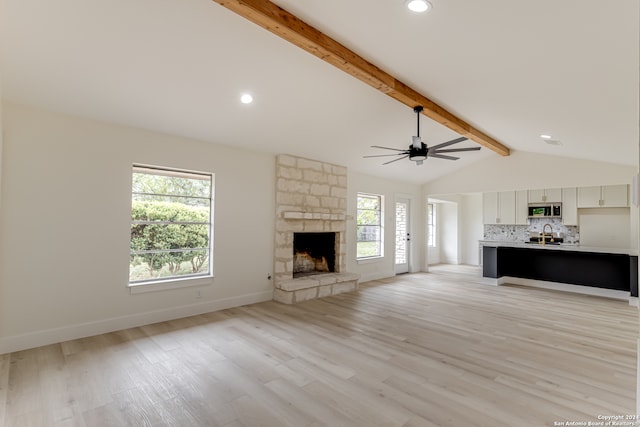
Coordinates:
<point>601,270</point>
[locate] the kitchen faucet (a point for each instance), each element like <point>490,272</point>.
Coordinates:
<point>544,227</point>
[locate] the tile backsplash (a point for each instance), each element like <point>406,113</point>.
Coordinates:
<point>520,233</point>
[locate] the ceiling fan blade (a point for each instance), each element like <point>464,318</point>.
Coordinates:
<point>416,142</point>
<point>454,150</point>
<point>395,160</point>
<point>448,143</point>
<point>440,156</point>
<point>385,155</point>
<point>387,148</point>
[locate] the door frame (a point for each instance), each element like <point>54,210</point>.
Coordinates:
<point>404,267</point>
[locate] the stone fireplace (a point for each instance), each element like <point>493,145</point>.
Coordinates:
<point>311,204</point>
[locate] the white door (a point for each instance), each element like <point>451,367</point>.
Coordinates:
<point>403,236</point>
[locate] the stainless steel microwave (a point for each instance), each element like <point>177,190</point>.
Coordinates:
<point>545,210</point>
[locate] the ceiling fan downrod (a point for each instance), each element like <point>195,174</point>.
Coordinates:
<point>418,109</point>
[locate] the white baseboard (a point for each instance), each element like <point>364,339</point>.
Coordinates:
<point>565,287</point>
<point>55,335</point>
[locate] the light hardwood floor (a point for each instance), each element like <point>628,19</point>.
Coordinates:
<point>437,349</point>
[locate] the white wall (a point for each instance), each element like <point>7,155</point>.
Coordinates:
<point>385,267</point>
<point>2,296</point>
<point>524,171</point>
<point>449,235</point>
<point>65,221</point>
<point>605,227</point>
<point>459,227</point>
<point>471,228</point>
<point>1,143</point>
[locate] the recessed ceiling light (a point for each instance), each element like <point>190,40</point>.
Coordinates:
<point>418,5</point>
<point>543,136</point>
<point>246,99</point>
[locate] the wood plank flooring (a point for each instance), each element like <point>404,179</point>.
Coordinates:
<point>437,349</point>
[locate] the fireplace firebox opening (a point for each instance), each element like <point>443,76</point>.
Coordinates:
<point>314,253</point>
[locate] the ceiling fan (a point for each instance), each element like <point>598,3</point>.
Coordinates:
<point>418,150</point>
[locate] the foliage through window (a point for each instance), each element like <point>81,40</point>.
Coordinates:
<point>431,225</point>
<point>369,222</point>
<point>171,231</point>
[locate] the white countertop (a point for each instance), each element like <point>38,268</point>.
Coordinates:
<point>560,247</point>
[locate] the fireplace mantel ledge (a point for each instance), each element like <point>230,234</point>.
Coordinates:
<point>314,215</point>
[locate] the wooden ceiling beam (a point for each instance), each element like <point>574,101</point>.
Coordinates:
<point>291,28</point>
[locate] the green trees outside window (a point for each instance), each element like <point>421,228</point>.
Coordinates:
<point>170,224</point>
<point>369,222</point>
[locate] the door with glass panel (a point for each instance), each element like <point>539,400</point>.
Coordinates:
<point>403,236</point>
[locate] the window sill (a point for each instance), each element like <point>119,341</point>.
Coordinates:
<point>140,288</point>
<point>369,260</point>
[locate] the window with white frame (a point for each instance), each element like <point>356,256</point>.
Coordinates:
<point>369,223</point>
<point>171,224</point>
<point>431,225</point>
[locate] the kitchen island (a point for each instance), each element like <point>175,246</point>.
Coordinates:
<point>612,269</point>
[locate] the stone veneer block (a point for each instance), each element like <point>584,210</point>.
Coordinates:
<point>343,287</point>
<point>280,267</point>
<point>324,291</point>
<point>305,294</point>
<point>344,277</point>
<point>309,164</point>
<point>283,296</point>
<point>327,279</point>
<point>297,284</point>
<point>293,215</point>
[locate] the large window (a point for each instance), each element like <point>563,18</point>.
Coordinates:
<point>171,231</point>
<point>369,221</point>
<point>431,225</point>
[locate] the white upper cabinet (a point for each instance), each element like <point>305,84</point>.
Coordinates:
<point>490,213</point>
<point>611,196</point>
<point>570,206</point>
<point>522,210</point>
<point>499,207</point>
<point>546,195</point>
<point>615,195</point>
<point>507,207</point>
<point>589,197</point>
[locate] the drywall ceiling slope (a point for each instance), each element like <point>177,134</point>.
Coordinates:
<point>514,69</point>
<point>511,69</point>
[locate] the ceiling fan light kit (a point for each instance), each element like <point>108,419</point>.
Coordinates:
<point>418,5</point>
<point>419,151</point>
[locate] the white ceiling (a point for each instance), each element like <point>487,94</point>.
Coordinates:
<point>513,69</point>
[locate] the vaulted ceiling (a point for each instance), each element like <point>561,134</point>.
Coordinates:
<point>513,70</point>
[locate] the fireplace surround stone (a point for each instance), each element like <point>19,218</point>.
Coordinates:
<point>311,196</point>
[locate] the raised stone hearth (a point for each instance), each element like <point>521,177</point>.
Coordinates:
<point>311,197</point>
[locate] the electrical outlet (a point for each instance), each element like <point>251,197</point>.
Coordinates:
<point>198,294</point>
